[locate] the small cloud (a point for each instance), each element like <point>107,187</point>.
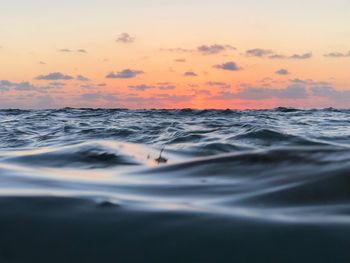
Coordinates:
<point>230,66</point>
<point>57,84</point>
<point>101,85</point>
<point>65,50</point>
<point>166,87</point>
<point>337,55</point>
<point>277,56</point>
<point>6,85</point>
<point>180,60</point>
<point>301,56</point>
<point>177,50</point>
<point>213,49</point>
<point>203,49</point>
<point>87,86</point>
<point>337,96</point>
<point>257,93</point>
<point>6,82</point>
<point>222,85</point>
<point>323,91</point>
<point>125,38</point>
<point>141,87</point>
<point>42,63</point>
<point>23,86</point>
<point>82,78</point>
<point>201,92</point>
<point>268,53</point>
<point>282,72</point>
<point>309,82</point>
<point>190,74</point>
<point>124,74</point>
<point>268,82</point>
<point>258,52</point>
<point>54,76</point>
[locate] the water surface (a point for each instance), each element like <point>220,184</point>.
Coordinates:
<point>83,185</point>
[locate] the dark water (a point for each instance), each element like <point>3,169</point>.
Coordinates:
<point>238,186</point>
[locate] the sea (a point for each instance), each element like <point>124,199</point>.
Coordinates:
<point>118,185</point>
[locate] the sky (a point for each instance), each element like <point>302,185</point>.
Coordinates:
<point>250,54</point>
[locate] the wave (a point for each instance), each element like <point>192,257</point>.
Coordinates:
<point>232,182</point>
<point>281,178</point>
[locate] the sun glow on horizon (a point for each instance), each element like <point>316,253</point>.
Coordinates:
<point>174,54</point>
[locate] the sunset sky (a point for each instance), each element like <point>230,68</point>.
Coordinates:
<point>174,54</point>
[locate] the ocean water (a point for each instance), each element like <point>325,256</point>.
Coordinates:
<point>84,185</point>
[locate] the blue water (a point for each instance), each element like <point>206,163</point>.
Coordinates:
<point>84,185</point>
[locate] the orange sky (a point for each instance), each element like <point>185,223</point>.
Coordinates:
<point>174,54</point>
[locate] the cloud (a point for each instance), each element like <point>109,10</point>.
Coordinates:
<point>23,86</point>
<point>82,78</point>
<point>307,92</point>
<point>301,56</point>
<point>309,82</point>
<point>338,98</point>
<point>323,91</point>
<point>230,66</point>
<point>6,85</point>
<point>161,100</point>
<point>337,55</point>
<point>125,38</point>
<point>180,60</point>
<point>177,50</point>
<point>60,76</point>
<point>282,72</point>
<point>268,53</point>
<point>91,86</point>
<point>54,76</point>
<point>256,93</point>
<point>213,49</point>
<point>203,49</point>
<point>57,84</point>
<point>277,56</point>
<point>190,74</point>
<point>141,87</point>
<point>201,92</point>
<point>166,87</point>
<point>331,92</point>
<point>222,85</point>
<point>91,96</point>
<point>97,96</point>
<point>65,50</point>
<point>124,74</point>
<point>258,52</point>
<point>87,86</point>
